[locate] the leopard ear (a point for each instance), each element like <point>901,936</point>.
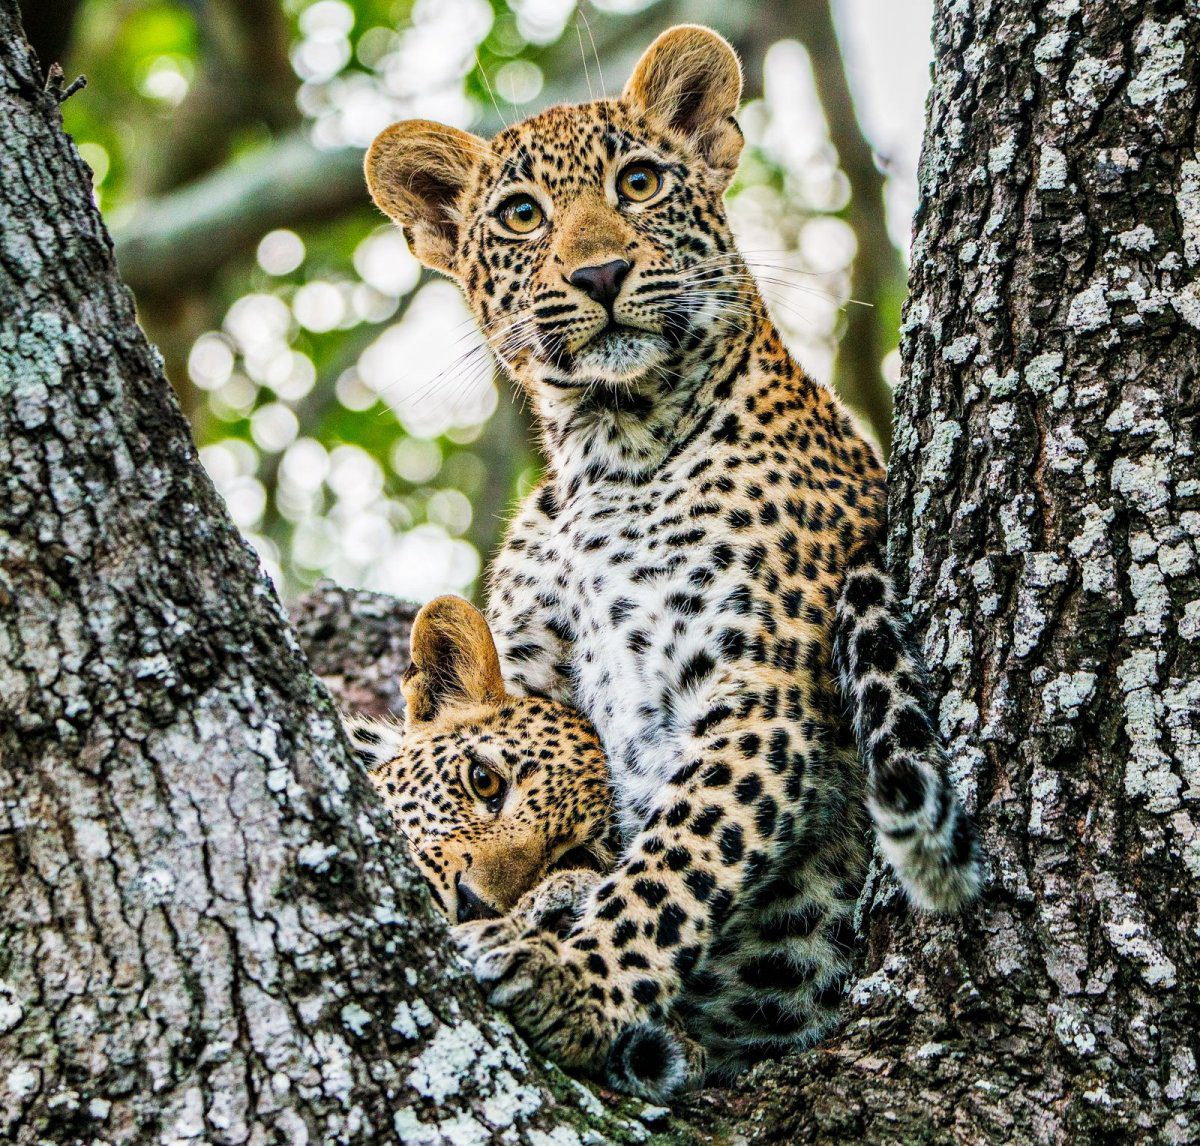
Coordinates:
<point>417,172</point>
<point>690,80</point>
<point>454,661</point>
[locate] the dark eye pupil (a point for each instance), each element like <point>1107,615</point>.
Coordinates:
<point>638,180</point>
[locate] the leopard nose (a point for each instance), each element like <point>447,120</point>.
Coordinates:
<point>601,283</point>
<point>470,906</point>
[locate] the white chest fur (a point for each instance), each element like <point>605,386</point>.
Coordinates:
<point>648,587</point>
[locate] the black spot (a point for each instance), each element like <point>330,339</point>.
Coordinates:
<point>875,701</point>
<point>732,644</point>
<point>748,788</point>
<point>696,670</point>
<point>900,787</point>
<point>677,813</point>
<point>685,961</point>
<point>705,821</point>
<point>863,591</point>
<point>645,1053</point>
<point>700,883</point>
<point>612,909</point>
<point>767,1015</point>
<point>711,718</point>
<point>670,920</point>
<point>911,729</point>
<point>645,991</point>
<point>830,995</point>
<point>765,815</point>
<point>769,972</point>
<point>619,610</point>
<point>777,751</point>
<point>877,649</point>
<point>732,843</point>
<point>716,775</point>
<point>650,892</point>
<point>677,859</point>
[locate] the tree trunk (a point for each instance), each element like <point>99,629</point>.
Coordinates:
<point>209,930</point>
<point>1045,506</point>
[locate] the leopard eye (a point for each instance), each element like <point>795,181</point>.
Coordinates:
<point>486,784</point>
<point>639,182</point>
<point>521,214</point>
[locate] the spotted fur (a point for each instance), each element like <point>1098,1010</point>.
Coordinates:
<point>699,574</point>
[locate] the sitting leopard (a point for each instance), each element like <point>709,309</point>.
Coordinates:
<point>700,574</point>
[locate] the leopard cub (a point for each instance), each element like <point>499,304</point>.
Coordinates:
<point>506,805</point>
<point>495,794</point>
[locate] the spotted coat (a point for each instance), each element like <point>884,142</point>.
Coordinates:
<point>700,573</point>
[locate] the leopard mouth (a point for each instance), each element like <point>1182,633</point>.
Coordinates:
<point>578,857</point>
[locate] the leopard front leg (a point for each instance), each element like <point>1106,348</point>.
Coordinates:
<point>720,822</point>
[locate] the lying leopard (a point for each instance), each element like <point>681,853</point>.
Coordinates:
<point>494,793</point>
<point>700,574</point>
<point>505,802</point>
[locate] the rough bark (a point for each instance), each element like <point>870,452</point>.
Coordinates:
<point>210,932</point>
<point>1044,517</point>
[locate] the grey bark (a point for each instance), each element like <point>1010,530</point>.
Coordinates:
<point>1044,518</point>
<point>210,931</point>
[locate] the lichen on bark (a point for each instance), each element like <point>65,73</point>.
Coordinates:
<point>211,932</point>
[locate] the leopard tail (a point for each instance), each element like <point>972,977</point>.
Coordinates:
<point>922,827</point>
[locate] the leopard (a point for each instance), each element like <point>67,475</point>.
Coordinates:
<point>701,573</point>
<point>505,802</point>
<point>495,795</point>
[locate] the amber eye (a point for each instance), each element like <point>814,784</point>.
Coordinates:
<point>487,784</point>
<point>521,214</point>
<point>639,182</point>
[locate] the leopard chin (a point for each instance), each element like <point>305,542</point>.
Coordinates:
<point>621,355</point>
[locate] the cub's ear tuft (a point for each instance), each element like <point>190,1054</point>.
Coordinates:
<point>690,80</point>
<point>375,741</point>
<point>417,172</point>
<point>454,661</point>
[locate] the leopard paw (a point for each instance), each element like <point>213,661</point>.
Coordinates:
<point>553,995</point>
<point>555,904</point>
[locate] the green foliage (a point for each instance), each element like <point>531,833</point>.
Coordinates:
<point>343,447</point>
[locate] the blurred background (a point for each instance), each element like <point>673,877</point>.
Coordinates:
<point>340,396</point>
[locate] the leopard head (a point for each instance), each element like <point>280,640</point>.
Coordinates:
<point>492,791</point>
<point>591,240</point>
